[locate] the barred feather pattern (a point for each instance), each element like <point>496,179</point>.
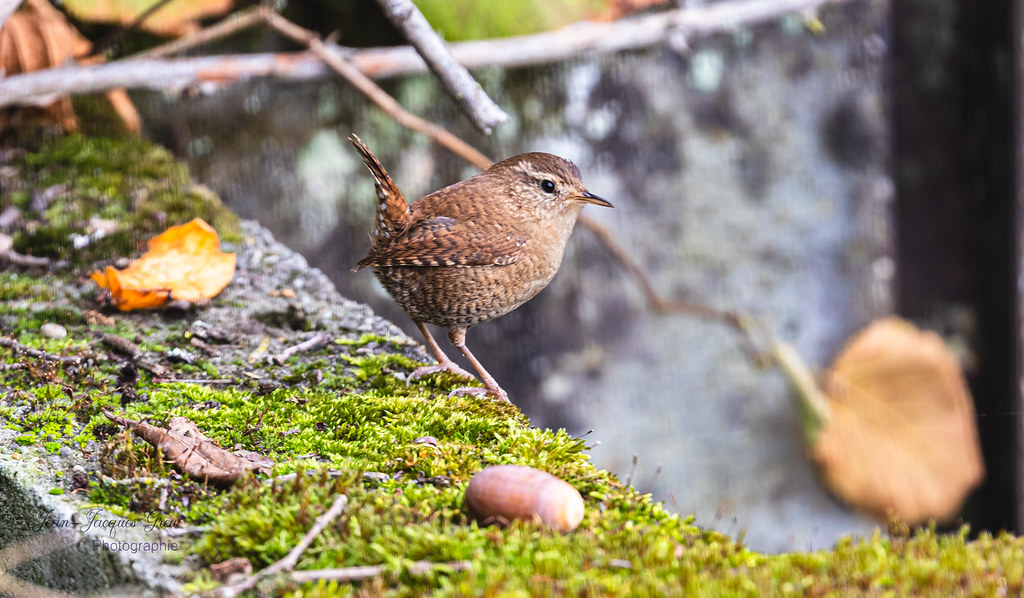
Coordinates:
<point>393,215</point>
<point>444,241</point>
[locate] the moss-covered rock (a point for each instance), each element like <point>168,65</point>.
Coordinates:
<point>339,419</point>
<point>86,199</point>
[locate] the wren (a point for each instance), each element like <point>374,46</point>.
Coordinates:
<point>474,250</point>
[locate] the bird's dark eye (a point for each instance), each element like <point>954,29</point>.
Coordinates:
<point>547,186</point>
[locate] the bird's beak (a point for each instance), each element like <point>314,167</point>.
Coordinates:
<point>589,197</point>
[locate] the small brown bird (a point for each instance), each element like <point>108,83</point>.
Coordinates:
<point>474,250</point>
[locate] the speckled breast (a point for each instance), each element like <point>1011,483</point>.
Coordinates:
<point>463,296</point>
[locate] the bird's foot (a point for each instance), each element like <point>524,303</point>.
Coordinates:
<point>478,391</point>
<point>446,366</point>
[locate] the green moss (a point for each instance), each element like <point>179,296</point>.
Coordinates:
<point>130,181</point>
<point>26,439</point>
<point>59,314</point>
<point>15,286</point>
<point>472,19</point>
<point>56,491</point>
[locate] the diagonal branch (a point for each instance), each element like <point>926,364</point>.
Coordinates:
<point>370,571</point>
<point>292,558</point>
<point>228,26</point>
<point>456,80</point>
<point>373,91</point>
<point>656,302</point>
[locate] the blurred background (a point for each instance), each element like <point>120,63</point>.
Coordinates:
<point>816,170</point>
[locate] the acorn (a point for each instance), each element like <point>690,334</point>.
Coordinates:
<point>520,492</point>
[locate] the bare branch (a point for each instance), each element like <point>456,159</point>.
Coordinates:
<point>456,80</point>
<point>13,345</point>
<point>658,303</point>
<point>314,342</point>
<point>31,261</point>
<point>42,87</point>
<point>373,91</point>
<point>371,571</point>
<point>117,35</point>
<point>230,25</point>
<point>292,558</point>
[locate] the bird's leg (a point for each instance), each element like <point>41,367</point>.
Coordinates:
<point>444,363</point>
<point>458,338</point>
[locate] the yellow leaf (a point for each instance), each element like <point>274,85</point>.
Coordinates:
<point>184,262</point>
<point>901,438</point>
<point>174,19</point>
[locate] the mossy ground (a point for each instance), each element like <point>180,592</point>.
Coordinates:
<point>343,410</point>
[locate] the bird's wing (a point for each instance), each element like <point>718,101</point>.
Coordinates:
<point>443,241</point>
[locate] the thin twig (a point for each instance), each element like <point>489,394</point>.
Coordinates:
<point>456,80</point>
<point>192,530</point>
<point>121,345</point>
<point>31,261</point>
<point>371,476</point>
<point>371,571</point>
<point>36,353</point>
<point>117,35</point>
<point>373,91</point>
<point>310,344</point>
<point>292,558</point>
<point>654,299</point>
<point>234,23</point>
<point>41,87</point>
<point>192,381</point>
<point>146,480</point>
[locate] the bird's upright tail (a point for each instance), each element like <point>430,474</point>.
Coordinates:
<point>392,210</point>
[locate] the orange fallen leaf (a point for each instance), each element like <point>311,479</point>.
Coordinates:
<point>893,427</point>
<point>184,262</point>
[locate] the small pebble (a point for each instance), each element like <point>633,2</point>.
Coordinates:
<point>426,440</point>
<point>178,355</point>
<point>51,330</point>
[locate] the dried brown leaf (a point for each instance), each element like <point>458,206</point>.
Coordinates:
<point>39,37</point>
<point>35,38</point>
<point>901,438</point>
<point>191,451</point>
